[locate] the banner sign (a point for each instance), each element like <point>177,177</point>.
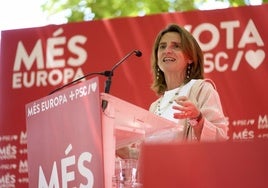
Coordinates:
<point>35,61</point>
<point>64,138</point>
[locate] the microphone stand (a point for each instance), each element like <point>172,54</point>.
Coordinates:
<point>108,74</point>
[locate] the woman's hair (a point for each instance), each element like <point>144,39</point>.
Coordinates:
<point>191,50</point>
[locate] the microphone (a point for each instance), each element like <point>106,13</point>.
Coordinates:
<point>137,53</point>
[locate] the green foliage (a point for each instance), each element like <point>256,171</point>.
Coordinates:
<point>81,10</point>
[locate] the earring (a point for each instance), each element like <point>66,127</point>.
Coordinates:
<point>188,73</point>
<point>157,74</point>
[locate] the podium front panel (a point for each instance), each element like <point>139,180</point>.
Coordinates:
<point>65,138</point>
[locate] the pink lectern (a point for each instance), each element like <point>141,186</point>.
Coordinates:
<point>72,141</point>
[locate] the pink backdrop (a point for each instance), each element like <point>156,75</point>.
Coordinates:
<point>233,41</point>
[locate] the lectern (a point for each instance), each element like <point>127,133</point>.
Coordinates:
<point>72,140</point>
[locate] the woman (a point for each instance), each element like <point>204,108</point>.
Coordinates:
<point>185,96</point>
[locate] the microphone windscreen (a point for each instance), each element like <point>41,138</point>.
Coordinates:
<point>138,53</point>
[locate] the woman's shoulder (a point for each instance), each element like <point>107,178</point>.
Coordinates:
<point>204,86</point>
<point>206,82</point>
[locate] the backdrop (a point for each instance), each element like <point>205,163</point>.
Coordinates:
<point>35,61</point>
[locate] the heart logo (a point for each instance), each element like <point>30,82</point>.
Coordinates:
<point>251,122</point>
<point>255,58</point>
<point>94,86</point>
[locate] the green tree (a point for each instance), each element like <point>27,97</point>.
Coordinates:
<point>85,10</point>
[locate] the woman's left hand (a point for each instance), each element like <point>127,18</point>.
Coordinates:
<point>185,108</point>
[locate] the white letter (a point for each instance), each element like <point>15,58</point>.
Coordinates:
<point>54,181</point>
<point>86,156</point>
<point>16,81</point>
<point>77,50</point>
<point>41,77</point>
<point>262,122</point>
<point>55,77</point>
<point>229,26</point>
<point>53,50</point>
<point>214,33</point>
<point>250,35</point>
<point>22,56</point>
<point>67,176</point>
<point>68,74</point>
<point>217,62</point>
<point>208,62</point>
<point>28,83</point>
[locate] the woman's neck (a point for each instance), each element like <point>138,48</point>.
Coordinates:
<point>174,81</point>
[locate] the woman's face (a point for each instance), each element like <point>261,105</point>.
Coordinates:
<point>170,55</point>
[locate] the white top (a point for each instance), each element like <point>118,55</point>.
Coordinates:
<point>166,110</point>
<point>204,95</point>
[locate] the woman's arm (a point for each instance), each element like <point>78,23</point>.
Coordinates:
<point>214,125</point>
